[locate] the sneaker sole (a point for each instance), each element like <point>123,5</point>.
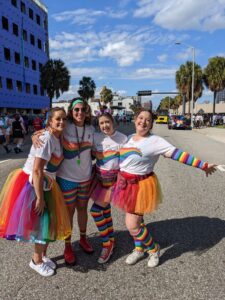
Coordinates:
<point>47,275</point>
<point>105,261</point>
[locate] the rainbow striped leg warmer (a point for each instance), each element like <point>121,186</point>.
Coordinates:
<point>188,159</point>
<point>144,241</point>
<point>108,217</point>
<point>101,223</point>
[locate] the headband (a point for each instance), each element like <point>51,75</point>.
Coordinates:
<point>75,102</point>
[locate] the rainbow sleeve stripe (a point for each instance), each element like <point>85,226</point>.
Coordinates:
<point>104,157</point>
<point>126,152</point>
<point>188,159</point>
<point>54,163</point>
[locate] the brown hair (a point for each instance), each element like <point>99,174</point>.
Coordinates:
<point>140,110</point>
<point>52,112</point>
<point>87,107</point>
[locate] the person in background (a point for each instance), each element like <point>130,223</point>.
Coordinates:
<point>2,135</point>
<point>37,123</point>
<point>18,132</point>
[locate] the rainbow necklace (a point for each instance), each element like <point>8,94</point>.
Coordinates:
<point>79,143</point>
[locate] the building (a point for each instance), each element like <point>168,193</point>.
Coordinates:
<point>121,105</point>
<point>220,96</point>
<point>23,50</point>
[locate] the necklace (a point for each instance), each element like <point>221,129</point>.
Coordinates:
<point>79,142</point>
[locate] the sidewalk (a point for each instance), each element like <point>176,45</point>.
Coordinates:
<point>214,133</point>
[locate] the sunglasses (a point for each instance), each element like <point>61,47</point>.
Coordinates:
<point>77,109</point>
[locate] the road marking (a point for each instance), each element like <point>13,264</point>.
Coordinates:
<point>4,161</point>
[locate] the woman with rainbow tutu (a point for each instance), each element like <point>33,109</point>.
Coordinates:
<point>32,207</point>
<point>106,151</point>
<point>137,190</point>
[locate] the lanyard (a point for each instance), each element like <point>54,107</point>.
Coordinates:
<point>79,142</point>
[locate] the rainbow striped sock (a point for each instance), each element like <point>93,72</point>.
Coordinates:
<point>108,217</point>
<point>100,221</point>
<point>188,159</point>
<point>144,239</point>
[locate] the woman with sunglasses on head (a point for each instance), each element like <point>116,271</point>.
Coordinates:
<point>106,151</point>
<point>32,207</point>
<point>137,190</point>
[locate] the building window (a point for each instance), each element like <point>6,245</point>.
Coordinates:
<point>35,89</point>
<point>17,58</point>
<point>26,62</point>
<point>14,2</point>
<point>23,7</point>
<point>120,103</point>
<point>9,83</point>
<point>31,14</point>
<point>45,24</point>
<point>39,44</point>
<point>5,23</point>
<point>32,40</point>
<point>7,53</point>
<point>40,66</point>
<point>19,86</point>
<point>42,91</point>
<point>38,19</point>
<point>46,47</point>
<point>15,29</point>
<point>0,82</point>
<point>24,35</point>
<point>34,67</point>
<point>27,88</point>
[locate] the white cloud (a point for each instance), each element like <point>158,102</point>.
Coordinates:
<point>162,57</point>
<point>151,73</point>
<point>207,93</point>
<point>203,15</point>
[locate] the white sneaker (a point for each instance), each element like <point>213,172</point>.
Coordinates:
<point>42,269</point>
<point>134,257</point>
<point>105,254</point>
<point>49,262</point>
<point>153,260</point>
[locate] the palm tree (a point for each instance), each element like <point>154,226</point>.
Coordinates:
<point>87,88</point>
<point>106,95</point>
<point>214,76</point>
<point>54,78</point>
<point>184,81</point>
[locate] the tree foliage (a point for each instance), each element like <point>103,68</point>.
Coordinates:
<point>54,78</point>
<point>106,95</point>
<point>87,88</point>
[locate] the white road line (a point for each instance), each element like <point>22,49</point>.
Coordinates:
<point>4,161</point>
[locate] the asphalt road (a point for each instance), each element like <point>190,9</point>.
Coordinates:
<point>189,226</point>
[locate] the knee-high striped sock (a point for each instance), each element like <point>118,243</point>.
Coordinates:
<point>108,217</point>
<point>144,238</point>
<point>100,221</point>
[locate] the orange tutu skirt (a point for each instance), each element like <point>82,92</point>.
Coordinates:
<point>137,194</point>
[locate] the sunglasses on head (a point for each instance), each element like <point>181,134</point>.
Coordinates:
<point>77,109</point>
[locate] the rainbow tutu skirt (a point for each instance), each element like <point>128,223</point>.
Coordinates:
<point>136,194</point>
<point>18,220</point>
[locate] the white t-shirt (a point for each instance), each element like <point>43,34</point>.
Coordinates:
<point>77,164</point>
<point>1,127</point>
<point>51,151</point>
<point>106,149</point>
<point>139,157</point>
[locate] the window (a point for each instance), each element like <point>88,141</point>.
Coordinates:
<point>45,24</point>
<point>17,58</point>
<point>32,40</point>
<point>7,53</point>
<point>31,14</point>
<point>42,91</point>
<point>35,89</point>
<point>24,35</point>
<point>26,62</point>
<point>9,83</point>
<point>39,44</point>
<point>5,23</point>
<point>46,47</point>
<point>0,82</point>
<point>120,103</point>
<point>38,19</point>
<point>23,7</point>
<point>14,2</point>
<point>19,86</point>
<point>15,29</point>
<point>27,88</point>
<point>34,67</point>
<point>40,66</point>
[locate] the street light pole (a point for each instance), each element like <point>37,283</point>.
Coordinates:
<point>193,79</point>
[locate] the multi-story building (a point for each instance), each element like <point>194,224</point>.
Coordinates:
<point>23,50</point>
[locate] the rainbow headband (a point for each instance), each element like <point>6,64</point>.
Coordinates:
<point>75,102</point>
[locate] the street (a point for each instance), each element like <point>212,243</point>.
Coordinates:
<point>189,226</point>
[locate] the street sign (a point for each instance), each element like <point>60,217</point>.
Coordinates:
<point>144,93</point>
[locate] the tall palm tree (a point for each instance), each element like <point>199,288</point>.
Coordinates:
<point>87,88</point>
<point>214,76</point>
<point>184,81</point>
<point>106,95</point>
<point>54,78</point>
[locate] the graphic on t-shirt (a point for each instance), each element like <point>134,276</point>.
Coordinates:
<point>71,149</point>
<point>104,157</point>
<point>54,163</point>
<point>126,152</point>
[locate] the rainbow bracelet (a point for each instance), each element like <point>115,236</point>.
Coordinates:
<point>188,159</point>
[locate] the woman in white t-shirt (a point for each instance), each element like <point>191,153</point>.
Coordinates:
<point>137,190</point>
<point>106,151</point>
<point>32,207</point>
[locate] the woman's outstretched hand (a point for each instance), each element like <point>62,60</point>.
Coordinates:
<point>211,168</point>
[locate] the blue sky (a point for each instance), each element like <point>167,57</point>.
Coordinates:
<point>129,45</point>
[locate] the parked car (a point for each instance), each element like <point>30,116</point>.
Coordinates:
<point>162,119</point>
<point>179,122</point>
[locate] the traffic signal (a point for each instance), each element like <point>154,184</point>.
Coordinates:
<point>144,93</point>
